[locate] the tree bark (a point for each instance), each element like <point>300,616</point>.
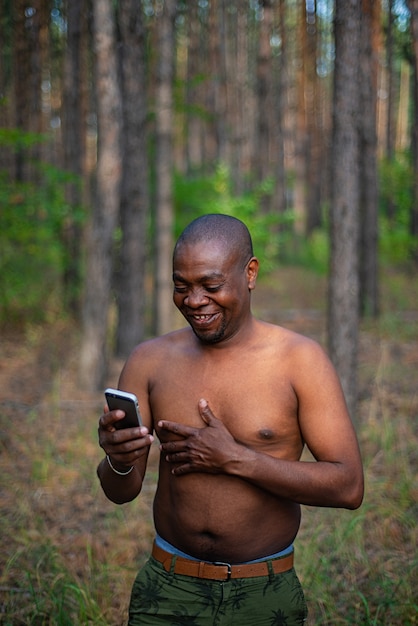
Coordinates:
<point>312,96</point>
<point>237,112</point>
<point>390,125</point>
<point>164,169</point>
<point>413,7</point>
<point>280,98</point>
<point>369,197</point>
<point>301,128</point>
<point>134,190</point>
<point>74,128</point>
<point>266,120</point>
<point>195,59</point>
<point>343,310</point>
<point>93,358</point>
<point>21,71</point>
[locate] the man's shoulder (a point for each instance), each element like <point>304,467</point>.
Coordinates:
<point>161,346</point>
<point>294,342</point>
<point>151,356</point>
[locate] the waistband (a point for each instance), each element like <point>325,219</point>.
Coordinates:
<point>219,570</point>
<point>168,547</point>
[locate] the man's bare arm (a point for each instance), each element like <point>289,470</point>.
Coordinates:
<point>212,449</point>
<point>125,449</point>
<point>129,447</point>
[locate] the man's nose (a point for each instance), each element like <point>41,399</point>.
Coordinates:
<point>196,298</point>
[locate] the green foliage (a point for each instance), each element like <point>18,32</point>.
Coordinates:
<point>306,251</point>
<point>397,245</point>
<point>33,218</point>
<point>198,195</point>
<point>17,139</point>
<point>52,594</point>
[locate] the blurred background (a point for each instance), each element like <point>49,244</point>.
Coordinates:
<point>120,122</point>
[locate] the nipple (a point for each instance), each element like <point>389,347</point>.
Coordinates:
<point>266,434</point>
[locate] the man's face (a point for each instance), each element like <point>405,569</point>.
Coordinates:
<point>211,290</point>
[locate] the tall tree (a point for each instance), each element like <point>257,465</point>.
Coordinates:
<point>37,25</point>
<point>134,189</point>
<point>21,72</point>
<point>301,136</point>
<point>74,133</point>
<point>314,162</point>
<point>106,206</point>
<point>195,60</point>
<point>390,89</point>
<point>236,113</point>
<point>222,105</point>
<point>369,50</point>
<point>6,35</point>
<point>413,7</point>
<point>164,167</point>
<point>264,155</point>
<point>280,99</point>
<point>343,311</point>
<point>214,102</point>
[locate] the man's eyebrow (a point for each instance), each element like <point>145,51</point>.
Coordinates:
<point>212,276</point>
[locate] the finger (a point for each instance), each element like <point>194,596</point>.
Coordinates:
<point>118,445</point>
<point>108,419</point>
<point>186,468</point>
<point>177,457</point>
<point>173,446</point>
<point>206,413</point>
<point>176,428</point>
<point>123,435</point>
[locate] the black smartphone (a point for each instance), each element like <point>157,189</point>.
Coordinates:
<point>127,402</point>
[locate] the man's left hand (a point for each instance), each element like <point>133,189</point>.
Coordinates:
<point>206,449</point>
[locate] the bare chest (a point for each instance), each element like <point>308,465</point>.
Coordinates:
<point>254,399</point>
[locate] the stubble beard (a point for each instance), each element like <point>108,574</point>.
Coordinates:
<point>210,338</point>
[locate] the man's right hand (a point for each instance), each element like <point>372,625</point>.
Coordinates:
<point>124,446</point>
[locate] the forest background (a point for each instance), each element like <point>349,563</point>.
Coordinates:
<point>119,123</point>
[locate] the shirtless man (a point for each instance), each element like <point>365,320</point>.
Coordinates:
<point>233,400</point>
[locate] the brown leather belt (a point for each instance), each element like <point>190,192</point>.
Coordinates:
<point>218,570</point>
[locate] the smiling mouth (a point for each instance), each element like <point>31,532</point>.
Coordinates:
<point>202,319</point>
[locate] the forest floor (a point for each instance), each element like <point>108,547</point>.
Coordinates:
<point>69,556</point>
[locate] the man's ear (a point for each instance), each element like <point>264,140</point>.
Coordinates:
<point>252,272</point>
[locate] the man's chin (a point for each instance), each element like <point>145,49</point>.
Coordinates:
<point>209,338</point>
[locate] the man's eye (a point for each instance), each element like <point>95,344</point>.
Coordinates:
<point>180,288</point>
<point>213,289</point>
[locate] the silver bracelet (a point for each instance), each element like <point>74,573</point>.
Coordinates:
<point>115,470</point>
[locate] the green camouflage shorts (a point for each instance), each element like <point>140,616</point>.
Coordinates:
<point>159,597</point>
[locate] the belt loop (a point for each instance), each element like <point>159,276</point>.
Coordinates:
<point>270,570</point>
<point>173,565</point>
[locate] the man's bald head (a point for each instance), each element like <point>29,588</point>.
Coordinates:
<point>225,229</point>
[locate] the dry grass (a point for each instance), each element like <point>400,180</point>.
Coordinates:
<point>68,556</point>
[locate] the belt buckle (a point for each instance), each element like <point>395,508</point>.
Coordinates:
<point>227,565</point>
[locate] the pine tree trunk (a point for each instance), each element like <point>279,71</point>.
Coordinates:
<point>130,284</point>
<point>281,98</point>
<point>264,155</point>
<point>21,71</point>
<point>74,112</point>
<point>369,197</point>
<point>312,95</point>
<point>164,169</point>
<point>93,358</point>
<point>301,129</point>
<point>413,7</point>
<point>344,220</point>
